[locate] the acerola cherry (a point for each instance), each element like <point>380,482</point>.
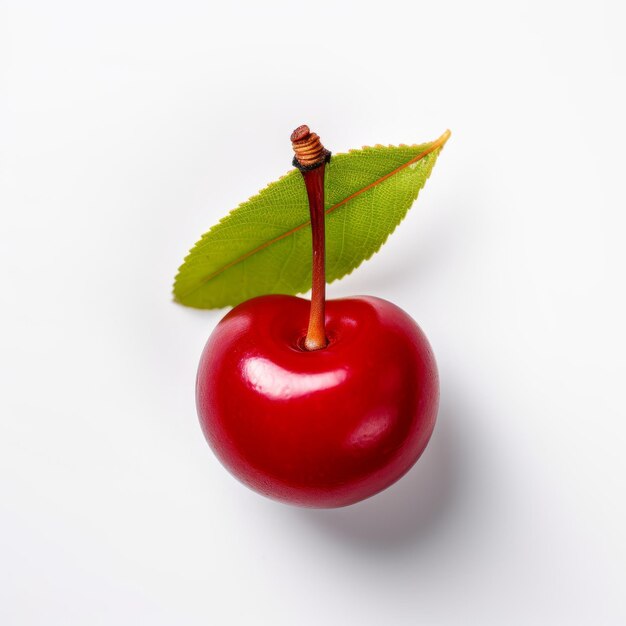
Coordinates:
<point>319,404</point>
<point>322,428</point>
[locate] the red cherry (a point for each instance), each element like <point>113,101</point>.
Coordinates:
<point>321,428</point>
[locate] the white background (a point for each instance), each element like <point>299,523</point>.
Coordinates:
<point>127,129</point>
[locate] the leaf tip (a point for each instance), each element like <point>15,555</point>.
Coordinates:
<point>442,140</point>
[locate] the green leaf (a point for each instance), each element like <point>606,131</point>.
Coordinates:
<point>264,245</point>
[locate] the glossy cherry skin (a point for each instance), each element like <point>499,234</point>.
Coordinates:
<point>322,428</point>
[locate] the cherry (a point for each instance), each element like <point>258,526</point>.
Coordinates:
<point>317,403</point>
<point>320,428</point>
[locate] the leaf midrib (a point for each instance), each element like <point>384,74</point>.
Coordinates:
<point>438,143</point>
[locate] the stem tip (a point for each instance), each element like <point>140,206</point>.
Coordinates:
<point>310,153</point>
<point>300,133</point>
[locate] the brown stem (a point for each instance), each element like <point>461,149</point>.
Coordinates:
<point>311,158</point>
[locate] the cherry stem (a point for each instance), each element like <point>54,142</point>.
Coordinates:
<point>311,158</point>
<point>316,333</point>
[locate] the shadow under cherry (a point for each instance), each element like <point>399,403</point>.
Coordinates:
<point>416,507</point>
